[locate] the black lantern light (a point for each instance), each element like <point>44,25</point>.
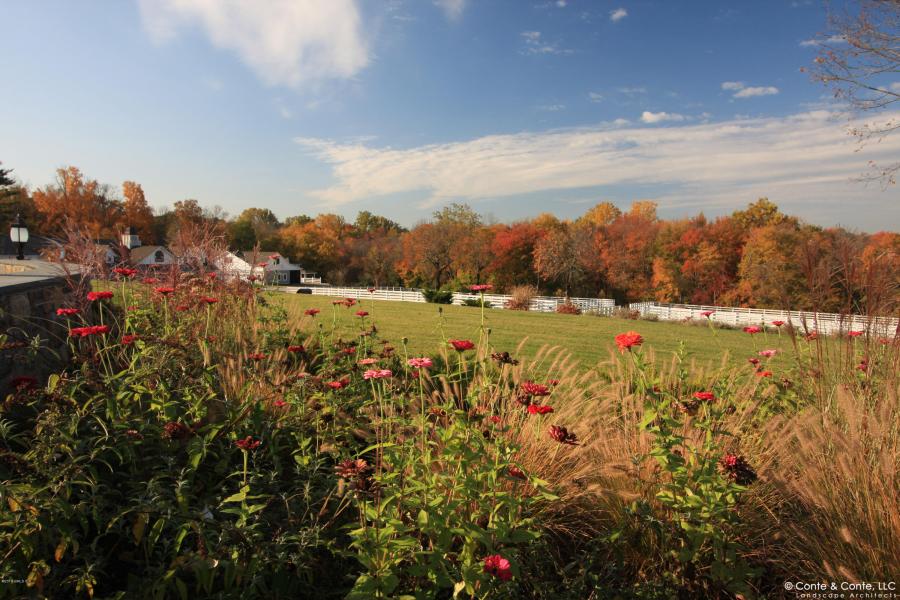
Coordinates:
<point>18,234</point>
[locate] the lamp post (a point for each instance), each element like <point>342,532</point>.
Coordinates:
<point>18,234</point>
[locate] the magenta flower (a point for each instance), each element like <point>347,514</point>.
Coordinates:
<point>377,374</point>
<point>420,363</point>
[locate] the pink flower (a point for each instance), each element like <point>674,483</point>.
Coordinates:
<point>377,374</point>
<point>498,566</point>
<point>338,384</point>
<point>362,314</point>
<point>777,323</point>
<point>461,345</point>
<point>481,287</point>
<point>707,313</point>
<point>367,361</point>
<point>768,353</point>
<point>99,296</point>
<point>753,361</point>
<point>274,256</point>
<point>420,363</point>
<point>312,312</point>
<point>67,311</point>
<point>535,409</point>
<point>752,329</point>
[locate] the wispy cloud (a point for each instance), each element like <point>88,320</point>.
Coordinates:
<point>742,91</point>
<point>659,117</point>
<point>895,87</point>
<point>790,159</point>
<point>535,44</point>
<point>632,91</point>
<point>291,42</point>
<point>595,97</point>
<point>453,9</point>
<point>617,15</point>
<point>552,107</point>
<point>834,39</point>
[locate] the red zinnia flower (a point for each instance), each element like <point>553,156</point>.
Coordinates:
<point>99,296</point>
<point>23,382</point>
<point>263,265</point>
<point>854,333</point>
<point>182,308</point>
<point>812,335</point>
<point>516,472</point>
<point>312,312</point>
<point>496,420</point>
<point>461,345</point>
<point>336,385</point>
<point>361,313</point>
<point>777,323</point>
<point>707,396</point>
<point>481,287</point>
<point>67,311</point>
<point>563,435</point>
<point>371,290</point>
<point>752,329</point>
<point>707,313</point>
<point>256,356</point>
<point>498,566</point>
<point>768,353</point>
<point>164,290</point>
<point>279,404</point>
<point>296,348</point>
<point>212,275</point>
<point>129,339</point>
<point>535,389</point>
<point>247,444</point>
<point>764,373</point>
<point>753,361</point>
<point>625,341</point>
<point>88,331</point>
<point>125,272</point>
<point>208,300</point>
<point>535,409</point>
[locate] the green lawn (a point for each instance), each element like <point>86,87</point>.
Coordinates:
<point>588,338</point>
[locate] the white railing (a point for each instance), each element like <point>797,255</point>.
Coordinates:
<point>538,304</point>
<point>825,323</point>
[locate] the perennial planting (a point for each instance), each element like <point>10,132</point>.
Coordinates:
<point>197,443</point>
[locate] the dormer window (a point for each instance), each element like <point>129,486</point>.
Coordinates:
<point>277,261</point>
<point>159,257</point>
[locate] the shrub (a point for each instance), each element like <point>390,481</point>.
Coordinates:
<point>476,302</point>
<point>438,296</point>
<point>521,297</point>
<point>568,308</point>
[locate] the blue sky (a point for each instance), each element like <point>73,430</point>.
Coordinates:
<point>399,106</point>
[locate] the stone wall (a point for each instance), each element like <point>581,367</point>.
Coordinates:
<point>35,337</point>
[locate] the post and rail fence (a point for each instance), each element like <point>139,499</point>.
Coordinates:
<point>823,323</point>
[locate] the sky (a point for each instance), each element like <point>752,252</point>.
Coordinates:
<point>516,107</point>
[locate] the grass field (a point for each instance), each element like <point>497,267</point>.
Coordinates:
<point>588,338</point>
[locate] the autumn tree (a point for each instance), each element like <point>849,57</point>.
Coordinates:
<point>770,276</point>
<point>601,215</point>
<point>512,248</point>
<point>562,254</point>
<point>859,60</point>
<point>78,202</point>
<point>428,254</point>
<point>761,213</point>
<point>626,248</point>
<point>136,211</point>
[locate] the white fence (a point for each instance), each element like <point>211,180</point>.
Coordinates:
<point>539,304</point>
<point>825,323</point>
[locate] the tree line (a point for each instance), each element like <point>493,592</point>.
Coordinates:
<point>757,256</point>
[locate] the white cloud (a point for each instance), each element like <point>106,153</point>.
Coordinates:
<point>834,39</point>
<point>742,91</point>
<point>534,44</point>
<point>290,42</point>
<point>806,159</point>
<point>595,97</point>
<point>617,15</point>
<point>895,87</point>
<point>552,107</point>
<point>453,9</point>
<point>561,3</point>
<point>652,117</point>
<point>750,92</point>
<point>632,91</point>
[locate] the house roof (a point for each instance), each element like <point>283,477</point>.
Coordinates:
<point>141,252</point>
